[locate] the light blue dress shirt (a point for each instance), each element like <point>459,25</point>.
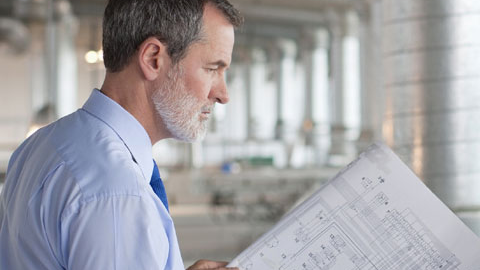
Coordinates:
<point>77,196</point>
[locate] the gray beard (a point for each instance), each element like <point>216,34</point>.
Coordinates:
<point>178,109</point>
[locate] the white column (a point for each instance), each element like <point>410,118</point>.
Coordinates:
<point>255,80</point>
<point>54,65</point>
<point>369,106</point>
<point>345,87</point>
<point>66,79</point>
<point>316,127</point>
<point>285,65</point>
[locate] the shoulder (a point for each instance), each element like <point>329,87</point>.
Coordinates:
<point>96,158</point>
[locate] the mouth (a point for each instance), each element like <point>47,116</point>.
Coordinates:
<point>204,115</point>
<point>206,111</point>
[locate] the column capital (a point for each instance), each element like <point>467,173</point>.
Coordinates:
<point>286,47</point>
<point>336,22</point>
<point>312,39</point>
<point>362,8</point>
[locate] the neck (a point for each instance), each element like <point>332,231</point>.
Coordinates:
<point>135,96</point>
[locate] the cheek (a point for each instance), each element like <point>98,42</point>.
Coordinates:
<point>199,85</point>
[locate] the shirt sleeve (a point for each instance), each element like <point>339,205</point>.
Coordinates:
<point>114,232</point>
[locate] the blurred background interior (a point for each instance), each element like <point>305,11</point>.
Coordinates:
<point>312,83</point>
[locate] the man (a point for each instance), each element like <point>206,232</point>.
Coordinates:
<point>84,192</point>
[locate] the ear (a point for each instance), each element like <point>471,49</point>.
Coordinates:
<point>152,58</point>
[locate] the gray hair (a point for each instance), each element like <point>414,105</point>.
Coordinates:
<point>176,23</point>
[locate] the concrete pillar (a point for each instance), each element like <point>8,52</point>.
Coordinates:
<point>53,54</point>
<point>254,77</point>
<point>316,123</point>
<point>431,70</point>
<point>344,88</point>
<point>66,59</point>
<point>369,107</point>
<point>284,62</point>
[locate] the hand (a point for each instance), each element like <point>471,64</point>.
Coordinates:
<point>210,265</point>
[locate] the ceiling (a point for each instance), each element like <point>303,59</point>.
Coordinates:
<point>96,7</point>
<point>266,18</point>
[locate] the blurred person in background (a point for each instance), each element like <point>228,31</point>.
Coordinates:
<point>84,191</point>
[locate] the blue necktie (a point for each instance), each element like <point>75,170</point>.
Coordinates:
<point>157,185</point>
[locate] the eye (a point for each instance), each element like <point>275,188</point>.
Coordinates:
<point>210,70</point>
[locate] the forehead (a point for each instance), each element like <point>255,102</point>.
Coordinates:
<point>215,22</point>
<point>217,35</point>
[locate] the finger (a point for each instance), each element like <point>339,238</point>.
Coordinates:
<point>206,264</point>
<point>218,264</point>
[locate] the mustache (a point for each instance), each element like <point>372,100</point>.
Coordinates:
<point>208,108</point>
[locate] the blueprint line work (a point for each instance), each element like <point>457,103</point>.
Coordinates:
<point>375,214</point>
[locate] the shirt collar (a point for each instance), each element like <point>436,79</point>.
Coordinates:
<point>127,127</point>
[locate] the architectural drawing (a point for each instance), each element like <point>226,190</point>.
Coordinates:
<point>374,215</point>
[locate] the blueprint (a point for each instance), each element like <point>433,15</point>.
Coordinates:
<point>374,214</point>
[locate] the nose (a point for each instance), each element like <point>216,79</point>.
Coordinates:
<point>219,92</point>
